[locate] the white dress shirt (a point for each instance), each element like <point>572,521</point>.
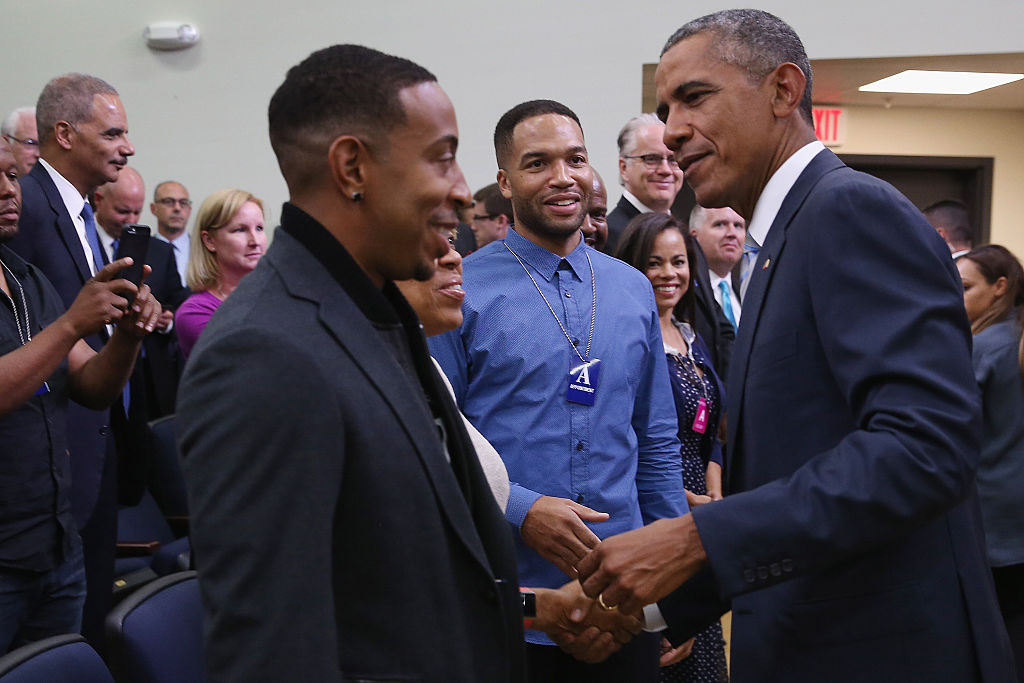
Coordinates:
<point>770,201</point>
<point>181,246</point>
<point>734,299</point>
<point>74,202</point>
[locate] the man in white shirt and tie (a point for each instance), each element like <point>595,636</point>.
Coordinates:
<point>172,207</point>
<point>720,233</point>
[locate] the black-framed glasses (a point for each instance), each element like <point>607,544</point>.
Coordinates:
<point>652,160</point>
<point>169,202</point>
<point>28,142</point>
<point>485,217</point>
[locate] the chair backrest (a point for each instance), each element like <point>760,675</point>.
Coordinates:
<point>156,634</point>
<point>60,659</point>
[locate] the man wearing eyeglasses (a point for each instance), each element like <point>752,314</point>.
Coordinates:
<point>648,173</point>
<point>172,207</point>
<point>492,214</point>
<point>19,128</point>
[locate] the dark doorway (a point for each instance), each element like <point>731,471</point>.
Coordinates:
<point>926,180</point>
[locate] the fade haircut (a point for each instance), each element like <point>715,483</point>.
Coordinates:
<point>754,41</point>
<point>953,217</point>
<point>493,201</point>
<point>339,90</point>
<point>68,98</point>
<point>10,124</point>
<point>627,136</point>
<point>519,113</point>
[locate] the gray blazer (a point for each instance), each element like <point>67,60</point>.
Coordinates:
<point>331,536</point>
<point>1001,466</point>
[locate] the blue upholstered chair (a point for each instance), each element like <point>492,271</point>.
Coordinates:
<point>60,659</point>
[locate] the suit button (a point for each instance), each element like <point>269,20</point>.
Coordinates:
<point>775,569</point>
<point>748,575</point>
<point>762,572</point>
<point>787,565</point>
<point>104,430</point>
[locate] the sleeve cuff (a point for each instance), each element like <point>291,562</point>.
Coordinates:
<point>653,620</point>
<point>520,500</point>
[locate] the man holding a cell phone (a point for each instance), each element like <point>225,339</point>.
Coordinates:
<point>83,143</point>
<point>44,362</point>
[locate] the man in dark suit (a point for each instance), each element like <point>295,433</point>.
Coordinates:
<point>83,138</point>
<point>712,325</point>
<point>650,179</point>
<point>118,204</point>
<point>341,523</point>
<point>850,546</point>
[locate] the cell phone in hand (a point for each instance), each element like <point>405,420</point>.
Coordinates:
<point>134,242</point>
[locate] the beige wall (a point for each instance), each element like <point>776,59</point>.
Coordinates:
<point>199,116</point>
<point>953,132</point>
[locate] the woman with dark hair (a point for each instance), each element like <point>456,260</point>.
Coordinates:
<point>659,246</point>
<point>994,298</point>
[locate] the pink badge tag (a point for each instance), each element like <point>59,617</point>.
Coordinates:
<point>700,420</point>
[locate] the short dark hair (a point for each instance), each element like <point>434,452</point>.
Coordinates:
<point>754,41</point>
<point>342,89</point>
<point>637,243</point>
<point>493,201</point>
<point>953,217</point>
<point>68,98</point>
<point>519,113</point>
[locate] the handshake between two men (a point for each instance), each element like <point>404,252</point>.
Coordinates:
<point>592,617</point>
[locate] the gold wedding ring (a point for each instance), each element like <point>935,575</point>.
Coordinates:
<point>605,606</point>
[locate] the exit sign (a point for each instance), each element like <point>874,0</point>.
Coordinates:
<point>830,125</point>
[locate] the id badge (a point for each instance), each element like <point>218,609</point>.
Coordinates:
<point>583,381</point>
<point>700,420</point>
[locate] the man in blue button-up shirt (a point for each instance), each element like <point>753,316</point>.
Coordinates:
<point>540,305</point>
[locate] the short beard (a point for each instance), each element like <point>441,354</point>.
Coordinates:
<point>536,223</point>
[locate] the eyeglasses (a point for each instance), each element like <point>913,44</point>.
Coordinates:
<point>652,160</point>
<point>28,142</point>
<point>169,202</point>
<point>485,217</point>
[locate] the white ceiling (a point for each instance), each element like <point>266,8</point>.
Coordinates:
<point>836,81</point>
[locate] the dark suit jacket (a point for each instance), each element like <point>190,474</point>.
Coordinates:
<point>618,219</point>
<point>47,239</point>
<point>331,535</point>
<point>711,323</point>
<point>162,362</point>
<point>850,545</point>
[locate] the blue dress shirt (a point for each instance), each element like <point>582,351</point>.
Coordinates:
<point>509,365</point>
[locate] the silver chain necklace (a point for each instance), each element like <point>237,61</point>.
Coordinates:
<point>593,311</point>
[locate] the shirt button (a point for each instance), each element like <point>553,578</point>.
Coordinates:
<point>568,295</point>
<point>575,342</point>
<point>579,446</point>
<point>579,498</point>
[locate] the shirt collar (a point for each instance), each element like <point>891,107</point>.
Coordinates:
<point>779,185</point>
<point>72,199</point>
<point>386,307</point>
<point>688,336</point>
<point>546,262</point>
<point>637,204</point>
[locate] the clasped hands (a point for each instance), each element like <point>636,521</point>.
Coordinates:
<point>625,572</point>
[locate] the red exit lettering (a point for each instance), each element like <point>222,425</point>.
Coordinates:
<point>826,123</point>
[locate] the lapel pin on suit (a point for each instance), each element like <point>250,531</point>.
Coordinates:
<point>767,262</point>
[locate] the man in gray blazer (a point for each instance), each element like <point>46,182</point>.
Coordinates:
<point>341,524</point>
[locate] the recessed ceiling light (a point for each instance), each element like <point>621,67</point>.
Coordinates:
<point>940,82</point>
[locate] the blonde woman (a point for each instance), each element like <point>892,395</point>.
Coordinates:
<point>228,241</point>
